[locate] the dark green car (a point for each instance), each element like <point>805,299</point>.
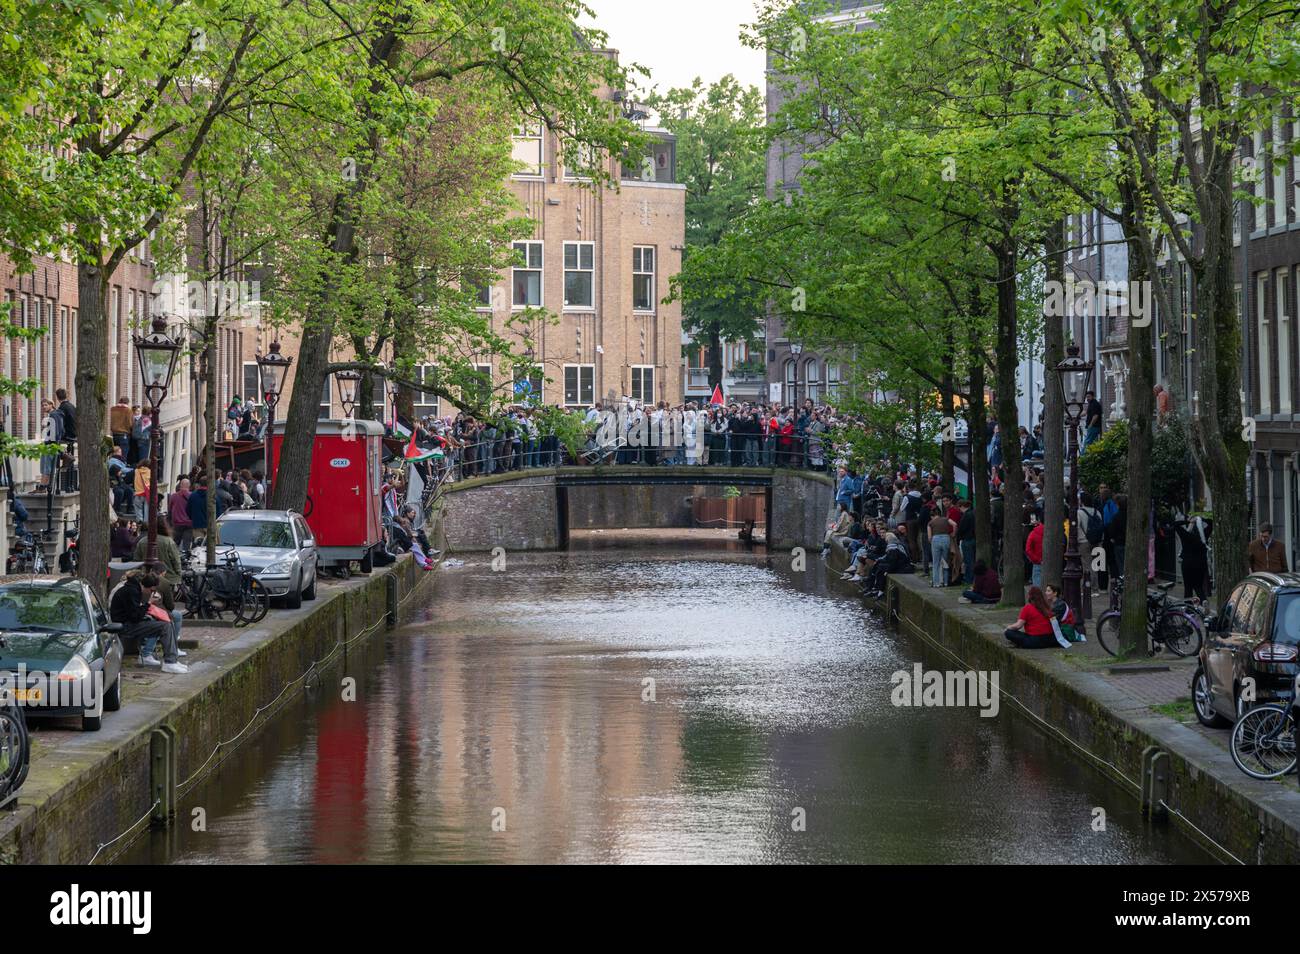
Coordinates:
<point>59,652</point>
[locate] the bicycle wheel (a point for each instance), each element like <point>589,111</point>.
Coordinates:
<point>15,750</point>
<point>1263,742</point>
<point>255,604</point>
<point>1108,631</point>
<point>1181,633</point>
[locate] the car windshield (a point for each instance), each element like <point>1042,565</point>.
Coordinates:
<point>52,609</point>
<point>256,533</point>
<point>1286,621</point>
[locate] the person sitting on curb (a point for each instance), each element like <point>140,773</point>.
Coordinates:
<point>985,588</point>
<point>896,559</point>
<point>1065,622</point>
<point>1033,628</point>
<point>130,606</point>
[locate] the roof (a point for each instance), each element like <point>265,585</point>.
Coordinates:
<point>337,426</point>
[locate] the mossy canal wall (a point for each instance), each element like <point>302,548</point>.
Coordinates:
<point>107,785</point>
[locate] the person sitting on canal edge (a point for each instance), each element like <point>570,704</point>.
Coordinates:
<point>1033,628</point>
<point>985,588</point>
<point>130,607</point>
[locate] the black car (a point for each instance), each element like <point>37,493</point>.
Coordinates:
<point>1251,649</point>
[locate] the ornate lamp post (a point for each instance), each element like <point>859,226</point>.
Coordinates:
<point>272,368</point>
<point>796,349</point>
<point>347,381</point>
<point>1074,375</point>
<point>157,353</point>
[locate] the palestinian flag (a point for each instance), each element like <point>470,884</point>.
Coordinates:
<point>717,400</point>
<point>414,454</point>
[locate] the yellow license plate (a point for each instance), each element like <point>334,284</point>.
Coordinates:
<point>28,695</point>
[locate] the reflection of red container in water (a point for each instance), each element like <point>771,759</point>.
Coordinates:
<point>339,795</point>
<point>343,501</point>
<point>724,511</point>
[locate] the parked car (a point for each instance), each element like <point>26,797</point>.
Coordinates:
<point>278,546</point>
<point>1255,636</point>
<point>58,634</point>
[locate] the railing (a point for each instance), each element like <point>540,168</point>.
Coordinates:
<point>485,458</point>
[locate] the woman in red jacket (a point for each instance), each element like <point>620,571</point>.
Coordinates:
<point>1033,630</point>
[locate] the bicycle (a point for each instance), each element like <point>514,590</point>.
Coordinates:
<point>29,555</point>
<point>225,587</point>
<point>1264,741</point>
<point>1176,625</point>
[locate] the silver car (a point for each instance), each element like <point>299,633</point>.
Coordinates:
<point>278,546</point>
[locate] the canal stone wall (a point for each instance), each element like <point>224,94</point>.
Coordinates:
<point>1257,822</point>
<point>96,788</point>
<point>639,506</point>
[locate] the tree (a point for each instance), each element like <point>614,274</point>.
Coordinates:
<point>721,159</point>
<point>530,54</point>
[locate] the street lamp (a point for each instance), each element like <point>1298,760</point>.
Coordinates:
<point>1074,375</point>
<point>157,353</point>
<point>347,382</point>
<point>272,368</point>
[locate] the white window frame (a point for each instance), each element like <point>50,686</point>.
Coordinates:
<point>540,269</point>
<point>1281,278</point>
<point>832,379</point>
<point>425,373</point>
<point>256,394</point>
<point>325,407</point>
<point>1265,345</point>
<point>651,271</point>
<point>584,155</point>
<point>591,384</point>
<point>578,248</point>
<point>639,393</point>
<point>812,387</point>
<point>1277,159</point>
<point>527,132</point>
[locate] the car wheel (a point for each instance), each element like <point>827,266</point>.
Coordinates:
<point>293,599</point>
<point>1203,702</point>
<point>310,592</point>
<point>113,696</point>
<point>90,723</point>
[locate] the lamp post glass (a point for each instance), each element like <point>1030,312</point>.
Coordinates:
<point>347,381</point>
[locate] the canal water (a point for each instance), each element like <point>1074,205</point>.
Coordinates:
<point>648,700</point>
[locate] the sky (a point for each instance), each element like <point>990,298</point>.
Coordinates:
<point>677,40</point>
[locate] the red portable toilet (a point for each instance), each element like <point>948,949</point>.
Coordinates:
<point>343,502</point>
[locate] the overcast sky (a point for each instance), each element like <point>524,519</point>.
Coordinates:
<point>678,40</point>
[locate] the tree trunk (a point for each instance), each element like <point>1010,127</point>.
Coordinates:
<point>92,444</point>
<point>1013,489</point>
<point>1054,420</point>
<point>1141,408</point>
<point>977,424</point>
<point>212,426</point>
<point>948,449</point>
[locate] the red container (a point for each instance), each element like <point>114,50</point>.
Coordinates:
<point>343,502</point>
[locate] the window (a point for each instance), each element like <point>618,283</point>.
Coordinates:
<point>526,279</point>
<point>326,398</point>
<point>426,402</point>
<point>579,159</point>
<point>483,297</point>
<point>1277,159</point>
<point>527,148</point>
<point>252,383</point>
<point>579,269</point>
<point>528,384</point>
<point>643,383</point>
<point>643,278</point>
<point>812,375</point>
<point>791,392</point>
<point>832,379</point>
<point>1280,282</point>
<point>1265,357</point>
<point>480,391</point>
<point>579,385</point>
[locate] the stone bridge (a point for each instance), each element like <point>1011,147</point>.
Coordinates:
<point>535,509</point>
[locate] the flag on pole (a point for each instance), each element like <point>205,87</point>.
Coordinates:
<point>716,400</point>
<point>415,453</point>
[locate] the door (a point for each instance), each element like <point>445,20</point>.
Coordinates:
<point>306,549</point>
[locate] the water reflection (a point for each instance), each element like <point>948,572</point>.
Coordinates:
<point>668,703</point>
